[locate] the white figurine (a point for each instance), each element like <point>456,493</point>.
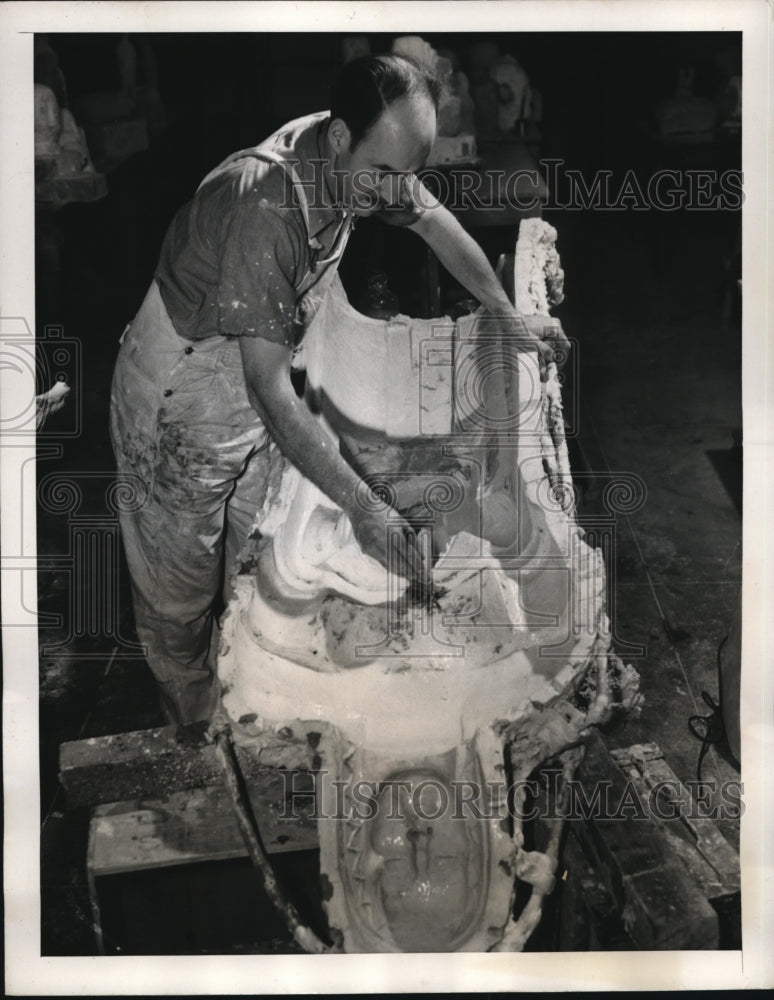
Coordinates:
<point>513,92</point>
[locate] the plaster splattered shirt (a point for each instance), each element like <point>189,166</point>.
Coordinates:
<point>235,256</point>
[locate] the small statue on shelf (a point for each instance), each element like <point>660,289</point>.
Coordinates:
<point>455,141</point>
<point>685,115</point>
<point>514,95</point>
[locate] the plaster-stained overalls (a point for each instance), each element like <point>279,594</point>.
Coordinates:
<point>197,455</point>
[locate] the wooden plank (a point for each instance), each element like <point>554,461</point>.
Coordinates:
<point>587,919</point>
<point>638,753</point>
<point>187,827</point>
<point>709,841</point>
<point>91,879</point>
<point>661,905</point>
<point>153,763</point>
<point>701,871</point>
<point>695,837</point>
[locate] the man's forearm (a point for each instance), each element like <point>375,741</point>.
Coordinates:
<point>463,258</point>
<point>293,427</point>
<point>301,439</point>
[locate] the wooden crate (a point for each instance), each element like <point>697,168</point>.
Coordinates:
<point>184,828</point>
<point>624,883</point>
<point>645,882</point>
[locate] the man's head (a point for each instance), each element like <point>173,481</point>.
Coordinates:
<point>383,120</point>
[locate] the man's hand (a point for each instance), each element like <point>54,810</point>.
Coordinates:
<point>465,260</point>
<point>553,344</point>
<point>379,529</point>
<point>543,334</point>
<point>387,537</point>
<point>523,332</point>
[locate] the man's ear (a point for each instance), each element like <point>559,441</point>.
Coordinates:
<point>339,135</point>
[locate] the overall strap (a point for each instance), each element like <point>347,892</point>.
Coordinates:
<point>270,156</point>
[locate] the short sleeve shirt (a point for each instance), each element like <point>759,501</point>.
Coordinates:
<point>234,257</point>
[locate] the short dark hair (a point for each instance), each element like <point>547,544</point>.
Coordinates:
<point>366,86</point>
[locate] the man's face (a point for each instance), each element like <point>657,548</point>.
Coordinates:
<point>398,144</point>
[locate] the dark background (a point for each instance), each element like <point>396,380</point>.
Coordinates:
<point>225,92</point>
<point>652,302</point>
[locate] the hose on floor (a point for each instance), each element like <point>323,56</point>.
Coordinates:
<point>248,827</point>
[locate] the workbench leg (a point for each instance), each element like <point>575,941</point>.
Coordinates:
<point>433,286</point>
<point>96,913</point>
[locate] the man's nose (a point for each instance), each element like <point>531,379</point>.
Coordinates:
<point>391,189</point>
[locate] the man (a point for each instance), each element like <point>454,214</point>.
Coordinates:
<point>202,381</point>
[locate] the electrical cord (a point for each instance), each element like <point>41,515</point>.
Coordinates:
<point>248,827</point>
<point>710,729</point>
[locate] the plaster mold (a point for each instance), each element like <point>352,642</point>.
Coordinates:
<point>455,425</point>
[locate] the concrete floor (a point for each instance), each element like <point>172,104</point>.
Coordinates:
<point>658,396</point>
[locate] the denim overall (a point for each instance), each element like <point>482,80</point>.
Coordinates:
<point>197,458</point>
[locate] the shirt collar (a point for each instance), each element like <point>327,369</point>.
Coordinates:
<point>314,168</point>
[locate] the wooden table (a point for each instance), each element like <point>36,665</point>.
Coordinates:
<point>502,186</point>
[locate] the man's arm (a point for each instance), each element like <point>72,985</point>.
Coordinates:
<point>259,250</point>
<point>304,442</point>
<point>464,259</point>
<point>459,253</point>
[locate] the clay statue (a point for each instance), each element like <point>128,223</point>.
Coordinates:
<point>685,113</point>
<point>415,47</point>
<point>48,122</point>
<point>59,142</point>
<point>126,58</point>
<point>354,46</point>
<point>513,92</point>
<point>455,140</point>
<point>461,87</point>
